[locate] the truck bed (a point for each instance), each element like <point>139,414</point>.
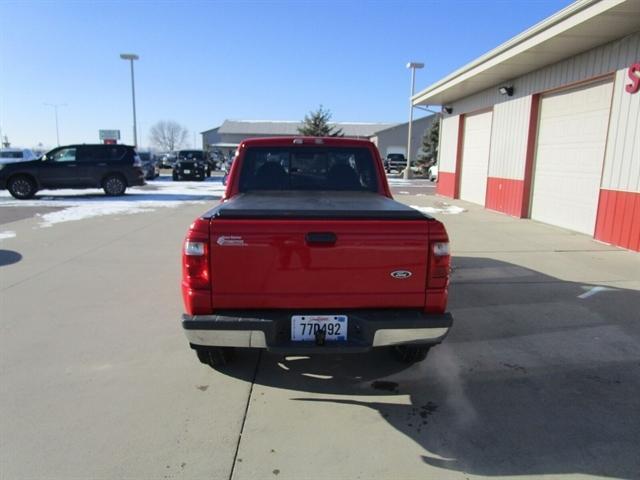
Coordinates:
<point>323,205</point>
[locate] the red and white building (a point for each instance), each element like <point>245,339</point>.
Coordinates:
<point>547,125</point>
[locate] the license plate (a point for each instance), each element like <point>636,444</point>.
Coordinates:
<point>304,327</point>
<point>186,171</point>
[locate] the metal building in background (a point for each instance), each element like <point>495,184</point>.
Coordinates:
<point>547,125</point>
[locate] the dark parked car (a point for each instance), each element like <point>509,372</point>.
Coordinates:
<point>149,165</point>
<point>110,167</point>
<point>395,161</point>
<point>191,165</point>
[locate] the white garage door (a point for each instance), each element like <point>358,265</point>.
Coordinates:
<point>475,157</point>
<point>572,134</point>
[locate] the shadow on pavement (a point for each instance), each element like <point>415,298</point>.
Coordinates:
<point>9,257</point>
<point>532,380</point>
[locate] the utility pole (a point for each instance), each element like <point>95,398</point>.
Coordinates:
<point>55,111</point>
<point>413,66</point>
<point>131,57</point>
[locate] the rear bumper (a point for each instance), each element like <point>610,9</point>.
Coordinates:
<point>271,329</point>
<point>136,178</point>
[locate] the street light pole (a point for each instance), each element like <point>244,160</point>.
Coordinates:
<point>413,66</point>
<point>55,111</point>
<point>131,57</point>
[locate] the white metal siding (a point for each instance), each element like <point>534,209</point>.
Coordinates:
<point>448,144</point>
<point>475,157</point>
<point>572,133</point>
<point>608,58</point>
<point>509,138</point>
<point>622,159</point>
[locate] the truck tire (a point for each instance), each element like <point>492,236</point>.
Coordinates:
<point>22,187</point>
<point>411,353</point>
<point>114,185</point>
<point>215,356</point>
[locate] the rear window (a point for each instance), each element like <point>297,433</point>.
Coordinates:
<point>10,154</point>
<point>304,168</point>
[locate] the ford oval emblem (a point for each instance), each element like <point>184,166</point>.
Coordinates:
<point>401,274</point>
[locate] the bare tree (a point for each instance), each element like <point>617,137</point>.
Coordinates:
<point>168,135</point>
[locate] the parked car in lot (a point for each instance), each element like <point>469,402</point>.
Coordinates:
<point>149,165</point>
<point>110,167</point>
<point>191,165</point>
<point>309,253</point>
<point>395,161</point>
<point>167,160</point>
<point>432,173</point>
<point>13,155</point>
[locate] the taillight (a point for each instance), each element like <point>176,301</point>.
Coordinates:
<point>196,264</point>
<point>440,265</point>
<point>439,269</point>
<point>196,269</point>
<point>195,256</point>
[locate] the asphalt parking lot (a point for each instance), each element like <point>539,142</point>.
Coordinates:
<point>539,376</point>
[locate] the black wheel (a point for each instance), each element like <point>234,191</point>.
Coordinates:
<point>22,187</point>
<point>215,356</point>
<point>411,353</point>
<point>175,176</point>
<point>114,185</point>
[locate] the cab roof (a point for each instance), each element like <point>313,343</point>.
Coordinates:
<point>305,141</point>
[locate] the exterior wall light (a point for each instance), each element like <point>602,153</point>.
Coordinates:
<point>506,90</point>
<point>448,110</point>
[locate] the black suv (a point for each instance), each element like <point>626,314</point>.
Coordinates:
<point>191,165</point>
<point>111,167</point>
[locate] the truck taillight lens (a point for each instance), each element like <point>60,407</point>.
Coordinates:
<point>196,265</point>
<point>441,249</point>
<point>440,265</point>
<point>194,249</point>
<point>439,269</point>
<point>196,275</point>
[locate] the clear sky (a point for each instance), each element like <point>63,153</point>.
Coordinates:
<point>202,62</point>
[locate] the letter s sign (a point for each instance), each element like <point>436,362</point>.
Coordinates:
<point>634,76</point>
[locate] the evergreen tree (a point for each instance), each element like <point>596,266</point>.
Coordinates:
<point>316,124</point>
<point>429,150</point>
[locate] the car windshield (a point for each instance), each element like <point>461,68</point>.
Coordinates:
<point>144,156</point>
<point>291,168</point>
<point>191,155</point>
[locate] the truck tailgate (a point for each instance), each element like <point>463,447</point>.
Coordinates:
<point>261,261</point>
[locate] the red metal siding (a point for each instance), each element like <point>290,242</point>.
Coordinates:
<point>618,219</point>
<point>530,155</point>
<point>446,184</point>
<point>505,195</point>
<point>456,182</point>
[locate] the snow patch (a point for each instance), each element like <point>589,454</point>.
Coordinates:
<point>86,203</point>
<point>445,209</point>
<point>7,234</point>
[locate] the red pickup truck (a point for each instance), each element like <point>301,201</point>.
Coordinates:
<point>308,253</point>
